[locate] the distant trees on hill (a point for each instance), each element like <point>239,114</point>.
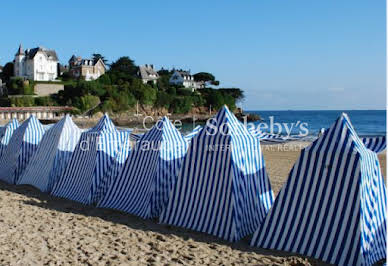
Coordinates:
<point>120,88</point>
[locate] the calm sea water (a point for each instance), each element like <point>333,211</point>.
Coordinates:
<point>366,123</point>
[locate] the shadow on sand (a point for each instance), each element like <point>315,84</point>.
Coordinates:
<point>49,202</point>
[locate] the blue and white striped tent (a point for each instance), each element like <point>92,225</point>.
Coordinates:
<point>135,136</point>
<point>193,133</point>
<point>269,138</point>
<point>48,126</point>
<point>86,175</point>
<point>6,134</point>
<point>333,205</point>
<point>118,164</point>
<point>376,144</point>
<point>188,137</point>
<point>222,188</point>
<point>149,174</point>
<point>52,156</point>
<point>21,147</point>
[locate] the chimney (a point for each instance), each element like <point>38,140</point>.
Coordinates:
<point>152,66</point>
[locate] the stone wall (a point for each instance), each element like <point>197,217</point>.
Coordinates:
<point>42,89</point>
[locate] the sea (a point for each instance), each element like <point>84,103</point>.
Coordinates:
<point>366,123</point>
<point>308,124</point>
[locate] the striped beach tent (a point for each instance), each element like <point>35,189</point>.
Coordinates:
<point>118,164</point>
<point>376,144</point>
<point>21,147</point>
<point>149,173</point>
<point>6,134</point>
<point>269,138</point>
<point>333,205</point>
<point>222,188</point>
<point>135,136</point>
<point>86,175</point>
<point>48,126</point>
<point>193,133</point>
<point>52,155</point>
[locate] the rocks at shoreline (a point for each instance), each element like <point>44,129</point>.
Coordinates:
<point>149,115</point>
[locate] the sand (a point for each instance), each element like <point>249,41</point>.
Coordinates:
<point>37,229</point>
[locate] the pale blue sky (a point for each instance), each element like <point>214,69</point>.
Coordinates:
<point>294,54</point>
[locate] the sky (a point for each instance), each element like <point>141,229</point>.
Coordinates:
<point>285,55</point>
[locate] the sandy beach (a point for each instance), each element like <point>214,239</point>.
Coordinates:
<point>37,229</point>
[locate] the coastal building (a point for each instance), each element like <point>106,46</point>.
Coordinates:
<point>38,64</point>
<point>40,112</point>
<point>185,79</point>
<point>86,68</point>
<point>148,74</point>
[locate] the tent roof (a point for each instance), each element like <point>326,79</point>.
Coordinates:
<point>105,125</point>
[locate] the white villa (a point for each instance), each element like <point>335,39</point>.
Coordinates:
<point>185,79</point>
<point>36,64</point>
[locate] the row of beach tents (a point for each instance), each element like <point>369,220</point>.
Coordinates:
<point>213,180</point>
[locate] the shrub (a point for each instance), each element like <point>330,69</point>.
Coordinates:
<point>25,101</point>
<point>163,99</point>
<point>181,105</point>
<point>171,91</point>
<point>44,101</point>
<point>88,102</point>
<point>183,91</point>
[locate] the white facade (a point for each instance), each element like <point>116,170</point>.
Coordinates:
<point>36,64</point>
<point>185,79</point>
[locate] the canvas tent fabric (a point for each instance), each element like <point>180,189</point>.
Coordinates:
<point>135,137</point>
<point>193,133</point>
<point>222,188</point>
<point>149,173</point>
<point>333,205</point>
<point>376,144</point>
<point>6,134</point>
<point>270,138</point>
<point>118,164</point>
<point>21,147</point>
<point>85,176</point>
<point>52,155</point>
<point>188,136</point>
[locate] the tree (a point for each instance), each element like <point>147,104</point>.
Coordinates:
<point>124,66</point>
<point>171,91</point>
<point>198,101</point>
<point>105,79</point>
<point>143,92</point>
<point>7,72</point>
<point>215,99</point>
<point>97,57</point>
<point>149,95</point>
<point>236,93</point>
<point>181,105</point>
<point>164,72</point>
<point>230,101</point>
<point>88,102</point>
<point>204,76</point>
<point>163,99</point>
